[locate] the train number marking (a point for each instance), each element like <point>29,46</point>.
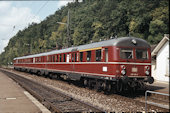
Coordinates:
<point>105,69</point>
<point>134,69</point>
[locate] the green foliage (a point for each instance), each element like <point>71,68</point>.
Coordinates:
<point>92,20</point>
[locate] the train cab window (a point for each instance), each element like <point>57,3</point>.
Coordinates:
<point>126,53</point>
<point>98,55</point>
<point>88,56</point>
<point>141,54</point>
<point>81,56</point>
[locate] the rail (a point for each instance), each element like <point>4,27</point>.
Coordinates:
<point>53,99</point>
<point>153,103</point>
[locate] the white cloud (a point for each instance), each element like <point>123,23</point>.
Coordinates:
<point>4,6</point>
<point>62,3</point>
<point>13,19</point>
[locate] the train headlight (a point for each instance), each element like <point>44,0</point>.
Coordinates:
<point>134,42</point>
<point>147,67</point>
<point>123,67</point>
<point>123,72</point>
<point>147,72</point>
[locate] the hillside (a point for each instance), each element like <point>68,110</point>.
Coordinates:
<point>92,20</point>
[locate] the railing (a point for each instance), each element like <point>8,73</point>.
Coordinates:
<point>153,103</point>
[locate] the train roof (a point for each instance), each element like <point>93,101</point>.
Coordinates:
<point>121,42</point>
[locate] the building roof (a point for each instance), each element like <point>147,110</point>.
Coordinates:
<point>160,45</point>
<point>153,47</point>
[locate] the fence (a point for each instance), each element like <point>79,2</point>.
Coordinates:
<point>153,103</point>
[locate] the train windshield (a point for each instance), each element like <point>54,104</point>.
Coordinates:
<point>126,53</point>
<point>141,54</point>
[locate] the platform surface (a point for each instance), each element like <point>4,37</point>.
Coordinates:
<point>13,99</point>
<point>159,86</point>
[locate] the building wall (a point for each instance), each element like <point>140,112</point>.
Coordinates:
<point>162,64</point>
<point>154,68</point>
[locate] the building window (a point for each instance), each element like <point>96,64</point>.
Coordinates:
<point>81,56</point>
<point>98,55</point>
<point>88,56</point>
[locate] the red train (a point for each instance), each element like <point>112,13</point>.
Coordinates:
<point>118,63</point>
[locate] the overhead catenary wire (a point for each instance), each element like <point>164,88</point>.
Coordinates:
<point>39,9</point>
<point>29,18</point>
<point>15,26</point>
<point>11,25</point>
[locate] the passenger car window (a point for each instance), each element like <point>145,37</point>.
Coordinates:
<point>88,56</point>
<point>75,56</point>
<point>126,53</point>
<point>98,55</point>
<point>60,58</point>
<point>64,58</point>
<point>53,58</point>
<point>81,56</point>
<point>72,57</point>
<point>141,54</point>
<point>56,58</point>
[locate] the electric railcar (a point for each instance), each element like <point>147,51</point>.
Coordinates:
<point>119,63</point>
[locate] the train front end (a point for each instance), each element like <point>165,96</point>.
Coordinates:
<point>134,62</point>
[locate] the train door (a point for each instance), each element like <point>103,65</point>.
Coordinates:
<point>106,55</point>
<point>74,58</point>
<point>33,60</point>
<point>68,57</point>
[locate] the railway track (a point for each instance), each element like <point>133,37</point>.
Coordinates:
<point>54,100</point>
<point>111,102</point>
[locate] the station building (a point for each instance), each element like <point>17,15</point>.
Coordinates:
<point>160,62</point>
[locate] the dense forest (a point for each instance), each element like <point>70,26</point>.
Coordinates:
<point>92,20</point>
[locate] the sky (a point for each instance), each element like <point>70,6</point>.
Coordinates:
<point>17,15</point>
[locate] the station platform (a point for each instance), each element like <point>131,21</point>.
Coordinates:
<point>159,86</point>
<point>14,99</point>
